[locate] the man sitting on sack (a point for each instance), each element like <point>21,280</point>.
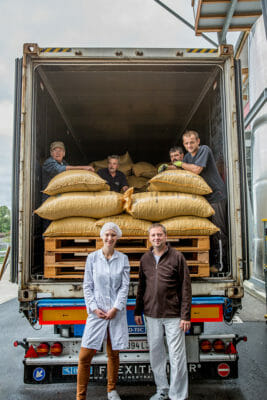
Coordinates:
<point>114,178</point>
<point>56,164</point>
<point>176,154</point>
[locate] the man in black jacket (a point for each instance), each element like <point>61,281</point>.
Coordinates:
<point>164,296</point>
<point>114,178</point>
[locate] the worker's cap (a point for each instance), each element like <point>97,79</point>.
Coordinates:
<point>57,144</point>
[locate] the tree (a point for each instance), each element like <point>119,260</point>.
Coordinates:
<point>4,219</point>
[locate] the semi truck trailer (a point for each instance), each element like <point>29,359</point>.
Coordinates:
<point>102,101</point>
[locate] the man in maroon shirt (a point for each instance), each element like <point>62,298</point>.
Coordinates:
<point>164,296</point>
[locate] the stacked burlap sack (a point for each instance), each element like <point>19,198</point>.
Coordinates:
<point>80,203</point>
<point>174,198</point>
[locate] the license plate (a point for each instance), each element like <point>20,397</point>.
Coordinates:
<point>137,345</point>
<point>127,372</point>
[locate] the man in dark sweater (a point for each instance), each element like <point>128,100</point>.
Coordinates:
<point>164,296</point>
<point>200,160</point>
<point>114,178</point>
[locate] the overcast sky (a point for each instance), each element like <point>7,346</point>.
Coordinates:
<point>79,23</point>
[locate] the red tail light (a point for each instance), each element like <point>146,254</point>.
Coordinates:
<point>43,349</point>
<point>219,346</point>
<point>205,345</point>
<point>56,349</point>
<point>31,353</point>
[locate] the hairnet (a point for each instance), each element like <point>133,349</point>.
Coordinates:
<point>110,225</point>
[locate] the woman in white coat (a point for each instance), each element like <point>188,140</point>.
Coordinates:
<point>105,286</point>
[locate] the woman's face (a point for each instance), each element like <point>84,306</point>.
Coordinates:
<point>109,238</point>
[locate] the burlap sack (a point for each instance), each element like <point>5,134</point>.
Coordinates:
<point>129,226</point>
<point>126,169</point>
<point>137,182</point>
<point>74,226</point>
<point>125,165</point>
<point>81,204</point>
<point>144,169</point>
<point>126,158</point>
<point>156,206</point>
<point>100,164</point>
<point>75,181</point>
<point>179,181</point>
<point>189,226</point>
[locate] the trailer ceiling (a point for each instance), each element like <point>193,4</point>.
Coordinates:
<point>125,105</point>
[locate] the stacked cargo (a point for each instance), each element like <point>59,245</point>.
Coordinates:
<point>77,198</point>
<point>176,199</point>
<point>80,203</point>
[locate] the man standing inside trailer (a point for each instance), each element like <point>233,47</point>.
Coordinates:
<point>56,164</point>
<point>200,160</point>
<point>164,296</point>
<point>176,153</point>
<point>114,178</point>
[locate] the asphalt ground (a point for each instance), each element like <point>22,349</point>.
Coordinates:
<point>250,385</point>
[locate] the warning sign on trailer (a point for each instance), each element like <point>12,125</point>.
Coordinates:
<point>223,370</point>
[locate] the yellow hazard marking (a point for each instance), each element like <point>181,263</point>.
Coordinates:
<point>55,49</point>
<point>205,312</point>
<point>50,315</point>
<point>201,50</point>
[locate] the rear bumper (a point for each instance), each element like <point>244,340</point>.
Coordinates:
<point>133,373</point>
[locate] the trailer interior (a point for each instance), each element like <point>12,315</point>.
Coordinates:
<point>142,108</point>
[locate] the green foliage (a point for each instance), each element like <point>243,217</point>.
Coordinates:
<point>4,219</point>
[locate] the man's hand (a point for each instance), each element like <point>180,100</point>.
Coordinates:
<point>185,325</point>
<point>89,168</point>
<point>111,313</point>
<point>162,168</point>
<point>100,313</point>
<point>138,320</point>
<point>125,188</point>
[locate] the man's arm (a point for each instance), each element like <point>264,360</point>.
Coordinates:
<point>84,167</point>
<point>52,167</point>
<point>139,305</point>
<point>186,294</point>
<point>201,162</point>
<point>125,185</point>
<point>196,169</point>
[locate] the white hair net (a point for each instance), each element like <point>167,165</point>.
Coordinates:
<point>110,225</point>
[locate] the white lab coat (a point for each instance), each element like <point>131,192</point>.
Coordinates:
<point>106,285</point>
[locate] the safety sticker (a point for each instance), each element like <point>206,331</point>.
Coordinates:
<point>55,50</point>
<point>38,374</point>
<point>201,51</point>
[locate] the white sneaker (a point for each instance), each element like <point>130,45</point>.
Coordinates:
<point>113,395</point>
<point>159,396</point>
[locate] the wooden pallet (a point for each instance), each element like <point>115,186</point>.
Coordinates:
<point>65,257</point>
